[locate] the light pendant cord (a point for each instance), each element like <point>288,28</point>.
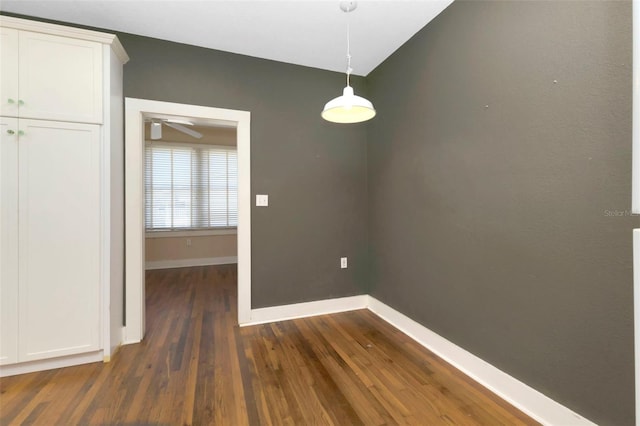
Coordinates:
<point>349,69</point>
<point>348,108</point>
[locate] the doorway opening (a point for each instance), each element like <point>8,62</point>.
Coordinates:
<point>140,113</point>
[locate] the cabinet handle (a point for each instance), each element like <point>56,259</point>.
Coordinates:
<point>11,132</point>
<point>11,101</point>
<point>20,133</point>
<point>20,102</point>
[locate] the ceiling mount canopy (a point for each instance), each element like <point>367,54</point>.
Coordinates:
<point>348,108</point>
<point>348,6</point>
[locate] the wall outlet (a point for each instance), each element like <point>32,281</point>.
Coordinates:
<point>188,242</point>
<point>343,262</point>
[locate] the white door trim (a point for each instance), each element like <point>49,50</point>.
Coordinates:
<point>136,110</point>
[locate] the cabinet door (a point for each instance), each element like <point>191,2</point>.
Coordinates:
<point>59,234</point>
<point>8,72</point>
<point>8,240</point>
<point>60,78</point>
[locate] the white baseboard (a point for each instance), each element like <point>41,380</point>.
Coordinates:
<point>307,309</point>
<point>185,263</point>
<point>526,399</point>
<point>50,364</point>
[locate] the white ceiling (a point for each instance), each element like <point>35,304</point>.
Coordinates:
<point>303,32</point>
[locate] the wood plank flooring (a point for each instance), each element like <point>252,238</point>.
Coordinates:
<point>197,367</point>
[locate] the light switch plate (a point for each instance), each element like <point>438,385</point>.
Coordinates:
<point>343,262</point>
<point>262,200</point>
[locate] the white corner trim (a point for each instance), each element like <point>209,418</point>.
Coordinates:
<point>636,315</point>
<point>518,394</point>
<point>50,364</point>
<point>185,263</point>
<point>306,309</point>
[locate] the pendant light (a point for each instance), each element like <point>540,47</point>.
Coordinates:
<point>348,108</point>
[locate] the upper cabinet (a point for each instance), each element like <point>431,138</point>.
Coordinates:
<point>59,78</point>
<point>52,75</point>
<point>8,72</point>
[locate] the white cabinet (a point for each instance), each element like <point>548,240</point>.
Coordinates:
<point>8,240</point>
<point>50,77</point>
<point>60,150</point>
<point>59,238</point>
<point>8,72</point>
<point>50,250</point>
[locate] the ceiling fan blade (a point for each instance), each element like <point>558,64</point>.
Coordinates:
<point>181,128</point>
<point>179,121</point>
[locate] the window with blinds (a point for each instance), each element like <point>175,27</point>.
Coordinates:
<point>190,186</point>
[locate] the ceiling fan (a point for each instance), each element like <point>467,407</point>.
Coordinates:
<point>179,125</point>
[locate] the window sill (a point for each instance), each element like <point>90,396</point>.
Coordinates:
<point>191,233</point>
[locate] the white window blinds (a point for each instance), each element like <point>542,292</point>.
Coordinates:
<point>190,186</point>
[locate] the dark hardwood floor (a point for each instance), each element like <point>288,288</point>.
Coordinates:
<point>196,366</point>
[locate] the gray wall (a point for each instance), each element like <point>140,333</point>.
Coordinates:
<point>314,172</point>
<point>493,192</point>
<point>496,199</point>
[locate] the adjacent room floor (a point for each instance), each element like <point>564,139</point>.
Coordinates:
<point>196,366</point>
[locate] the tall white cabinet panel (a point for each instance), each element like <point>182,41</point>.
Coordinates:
<point>8,240</point>
<point>61,143</point>
<point>59,219</point>
<point>60,78</point>
<point>8,72</point>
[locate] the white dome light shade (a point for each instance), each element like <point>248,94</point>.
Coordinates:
<point>348,108</point>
